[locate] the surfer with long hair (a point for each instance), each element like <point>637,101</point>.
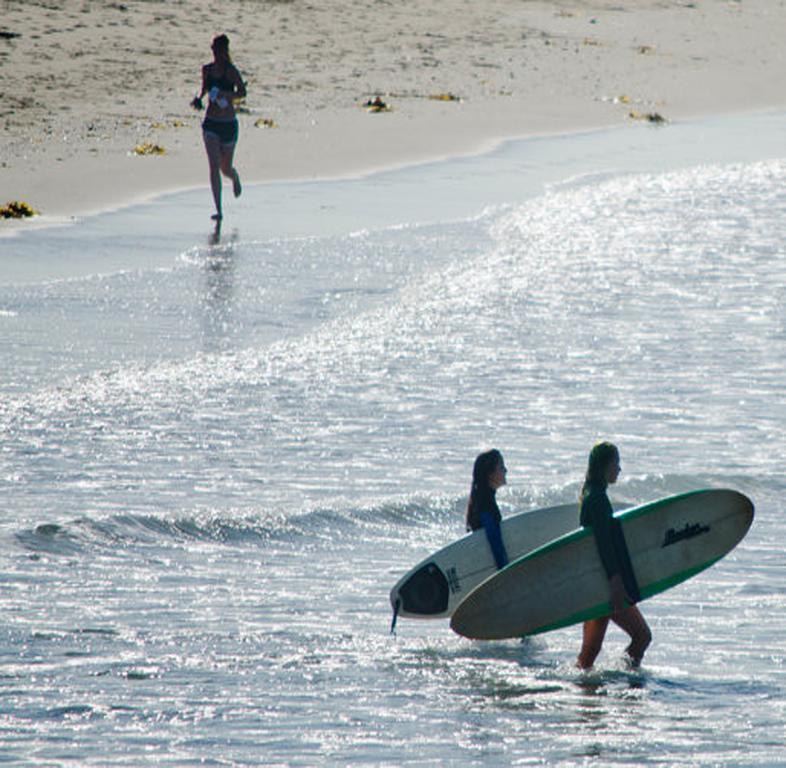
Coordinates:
<point>603,469</point>
<point>222,82</point>
<point>489,473</point>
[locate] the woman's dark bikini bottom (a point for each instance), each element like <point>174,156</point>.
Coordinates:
<point>224,130</point>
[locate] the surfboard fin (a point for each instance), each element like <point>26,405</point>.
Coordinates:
<point>395,616</point>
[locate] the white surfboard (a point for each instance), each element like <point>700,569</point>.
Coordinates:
<point>436,585</point>
<point>564,582</point>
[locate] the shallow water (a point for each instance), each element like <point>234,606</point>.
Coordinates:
<point>218,457</point>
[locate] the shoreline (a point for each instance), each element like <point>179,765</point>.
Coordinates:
<point>64,211</point>
<point>186,170</point>
<point>593,68</point>
<point>454,190</point>
<point>13,227</point>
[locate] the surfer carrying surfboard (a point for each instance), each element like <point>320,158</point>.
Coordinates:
<point>603,470</point>
<point>489,473</point>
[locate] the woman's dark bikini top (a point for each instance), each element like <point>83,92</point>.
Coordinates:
<point>222,83</point>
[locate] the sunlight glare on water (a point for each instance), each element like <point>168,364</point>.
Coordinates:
<point>214,472</point>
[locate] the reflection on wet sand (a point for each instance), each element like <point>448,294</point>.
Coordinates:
<point>218,295</point>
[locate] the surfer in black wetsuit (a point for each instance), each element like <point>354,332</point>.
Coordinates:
<point>596,512</point>
<point>488,474</point>
<point>222,82</point>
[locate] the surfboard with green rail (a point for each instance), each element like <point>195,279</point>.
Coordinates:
<point>563,582</point>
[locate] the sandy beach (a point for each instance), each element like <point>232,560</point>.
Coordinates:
<point>83,83</point>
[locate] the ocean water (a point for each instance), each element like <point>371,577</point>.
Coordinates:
<point>221,449</point>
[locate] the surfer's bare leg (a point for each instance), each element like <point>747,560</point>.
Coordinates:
<point>632,622</point>
<point>213,149</point>
<point>593,633</point>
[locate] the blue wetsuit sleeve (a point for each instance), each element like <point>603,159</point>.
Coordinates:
<point>494,536</point>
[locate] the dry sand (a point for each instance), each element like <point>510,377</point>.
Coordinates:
<point>82,83</point>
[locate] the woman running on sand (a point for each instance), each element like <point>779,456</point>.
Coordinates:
<point>222,82</point>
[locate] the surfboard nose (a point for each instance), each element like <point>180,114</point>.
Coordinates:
<point>750,507</point>
<point>745,508</point>
<point>750,504</point>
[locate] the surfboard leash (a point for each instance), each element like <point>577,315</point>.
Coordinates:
<point>395,616</point>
